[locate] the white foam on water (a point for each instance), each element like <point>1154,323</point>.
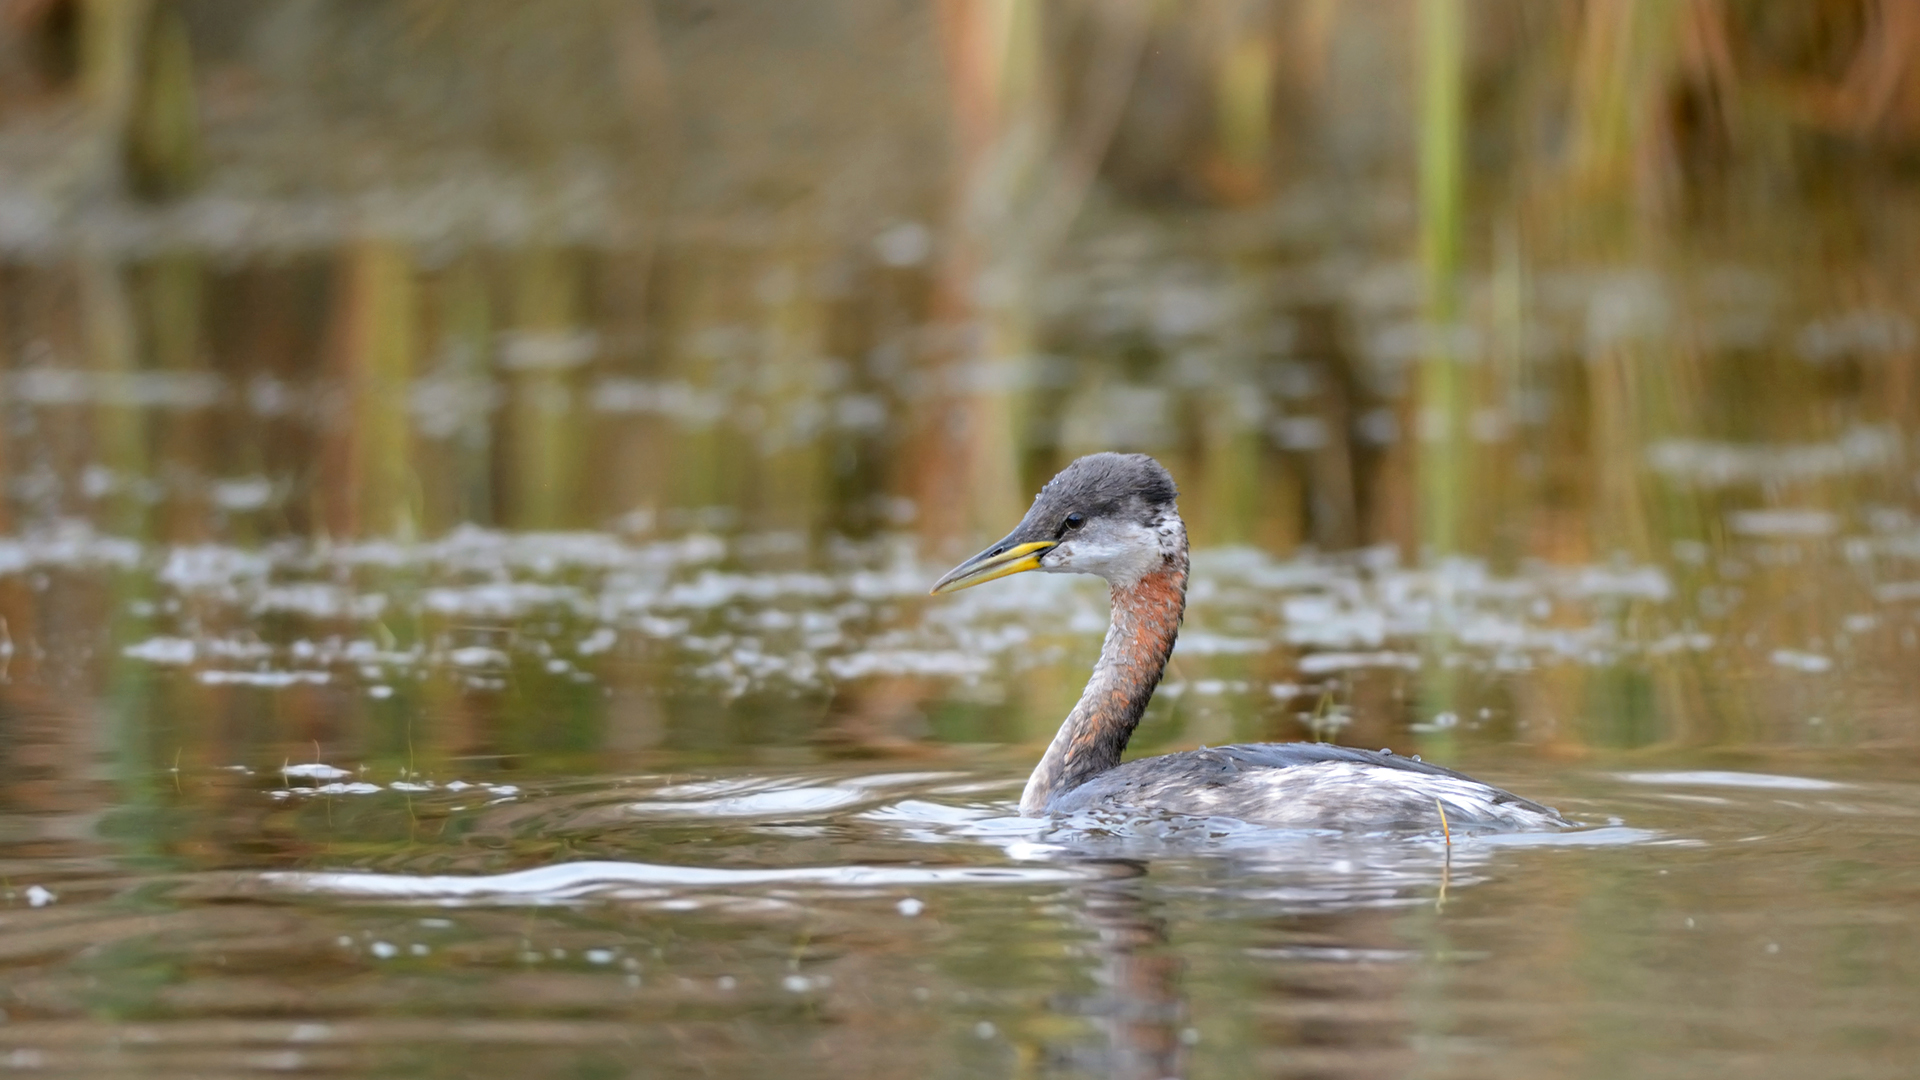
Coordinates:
<point>1322,663</point>
<point>316,771</point>
<point>241,494</point>
<point>1784,523</point>
<point>170,651</point>
<point>772,797</point>
<point>553,599</point>
<point>272,680</point>
<point>907,662</point>
<point>1724,778</point>
<point>1811,663</point>
<point>801,800</point>
<point>572,882</point>
<point>1710,464</point>
<point>478,656</point>
<point>1605,836</point>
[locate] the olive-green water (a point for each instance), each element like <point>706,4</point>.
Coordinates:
<point>512,804</point>
<point>471,473</point>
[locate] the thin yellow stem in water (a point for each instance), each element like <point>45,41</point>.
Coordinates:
<point>1444,830</point>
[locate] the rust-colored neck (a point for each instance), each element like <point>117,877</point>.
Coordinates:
<point>1145,620</point>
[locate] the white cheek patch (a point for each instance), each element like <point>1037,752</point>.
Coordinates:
<point>1123,554</point>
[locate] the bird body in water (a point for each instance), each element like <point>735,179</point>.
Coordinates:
<point>1114,516</point>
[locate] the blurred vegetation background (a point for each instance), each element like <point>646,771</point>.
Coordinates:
<point>1430,273</point>
<point>1575,282</point>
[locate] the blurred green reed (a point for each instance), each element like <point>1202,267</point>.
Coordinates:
<point>1439,430</point>
<point>1440,408</point>
<point>545,452</point>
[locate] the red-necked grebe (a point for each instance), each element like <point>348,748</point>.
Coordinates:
<point>1113,515</point>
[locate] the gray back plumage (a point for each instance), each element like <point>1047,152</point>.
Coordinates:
<point>1313,785</point>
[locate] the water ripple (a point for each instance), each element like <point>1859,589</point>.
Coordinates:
<point>608,880</point>
<point>1723,778</point>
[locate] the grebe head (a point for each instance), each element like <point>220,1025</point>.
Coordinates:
<point>1111,515</point>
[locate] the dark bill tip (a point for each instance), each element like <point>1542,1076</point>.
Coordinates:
<point>997,561</point>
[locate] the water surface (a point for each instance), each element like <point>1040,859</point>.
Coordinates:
<point>858,920</point>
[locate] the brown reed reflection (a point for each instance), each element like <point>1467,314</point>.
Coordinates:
<point>1139,1003</point>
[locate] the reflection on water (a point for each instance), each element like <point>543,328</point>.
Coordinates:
<point>470,474</point>
<point>632,881</point>
<point>917,933</point>
<point>629,644</point>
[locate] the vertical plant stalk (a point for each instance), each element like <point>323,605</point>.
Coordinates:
<point>136,75</point>
<point>465,340</point>
<point>1502,385</point>
<point>1243,85</point>
<point>372,491</point>
<point>120,427</point>
<point>112,33</point>
<point>1643,370</point>
<point>171,290</point>
<point>543,355</point>
<point>1643,379</point>
<point>1440,428</point>
<point>9,332</point>
<point>1234,441</point>
<point>993,58</point>
<point>795,472</point>
<point>1620,143</point>
<point>1024,169</point>
<point>1243,90</point>
<point>1439,432</point>
<point>162,137</point>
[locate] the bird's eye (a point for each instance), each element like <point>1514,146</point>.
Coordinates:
<point>1074,521</point>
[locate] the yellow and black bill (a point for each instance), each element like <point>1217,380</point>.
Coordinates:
<point>1010,556</point>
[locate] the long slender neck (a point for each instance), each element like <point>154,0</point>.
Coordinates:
<point>1145,618</point>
